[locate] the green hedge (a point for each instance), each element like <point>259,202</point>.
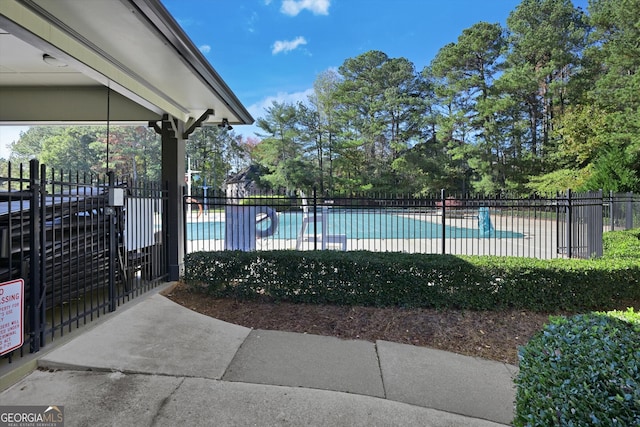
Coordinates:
<point>581,371</point>
<point>622,244</point>
<point>417,280</point>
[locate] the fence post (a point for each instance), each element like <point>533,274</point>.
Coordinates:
<point>113,248</point>
<point>36,299</point>
<point>185,208</point>
<point>558,228</point>
<point>569,225</point>
<point>444,225</point>
<point>315,223</point>
<point>629,212</point>
<point>612,210</point>
<point>595,226</point>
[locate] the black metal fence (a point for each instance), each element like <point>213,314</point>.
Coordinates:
<point>82,244</point>
<point>568,225</point>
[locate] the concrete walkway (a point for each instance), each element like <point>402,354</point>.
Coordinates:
<point>157,363</point>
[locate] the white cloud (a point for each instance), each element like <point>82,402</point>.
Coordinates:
<point>294,7</point>
<point>267,2</point>
<point>205,48</point>
<point>258,109</point>
<point>251,22</point>
<point>287,45</point>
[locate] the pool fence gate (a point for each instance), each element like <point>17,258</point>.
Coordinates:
<point>82,245</point>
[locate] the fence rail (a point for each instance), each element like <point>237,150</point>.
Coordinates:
<point>82,244</point>
<point>567,225</point>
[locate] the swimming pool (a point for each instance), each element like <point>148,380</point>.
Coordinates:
<point>356,225</point>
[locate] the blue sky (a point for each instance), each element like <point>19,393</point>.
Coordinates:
<point>268,50</point>
<point>274,49</point>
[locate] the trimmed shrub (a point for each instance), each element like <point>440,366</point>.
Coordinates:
<point>581,371</point>
<point>621,244</point>
<point>416,280</point>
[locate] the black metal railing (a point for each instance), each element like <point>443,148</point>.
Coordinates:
<point>83,245</point>
<point>567,225</point>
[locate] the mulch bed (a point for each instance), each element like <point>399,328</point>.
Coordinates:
<point>492,335</point>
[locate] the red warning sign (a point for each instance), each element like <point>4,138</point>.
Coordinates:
<point>11,315</point>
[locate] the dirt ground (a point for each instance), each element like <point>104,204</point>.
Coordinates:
<point>488,334</point>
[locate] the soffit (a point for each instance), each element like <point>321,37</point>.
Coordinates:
<point>134,47</point>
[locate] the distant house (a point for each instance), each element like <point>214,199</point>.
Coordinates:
<point>244,183</point>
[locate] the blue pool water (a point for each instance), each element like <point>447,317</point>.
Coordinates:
<point>356,225</point>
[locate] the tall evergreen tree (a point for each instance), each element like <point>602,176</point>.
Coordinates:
<point>280,150</point>
<point>378,107</point>
<point>466,71</point>
<point>324,101</point>
<point>546,40</point>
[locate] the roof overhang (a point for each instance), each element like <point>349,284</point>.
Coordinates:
<point>122,61</point>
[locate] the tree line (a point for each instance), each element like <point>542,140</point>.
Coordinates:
<point>547,103</point>
<point>550,102</point>
<point>130,152</point>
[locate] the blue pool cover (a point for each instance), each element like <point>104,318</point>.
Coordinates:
<point>361,225</point>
